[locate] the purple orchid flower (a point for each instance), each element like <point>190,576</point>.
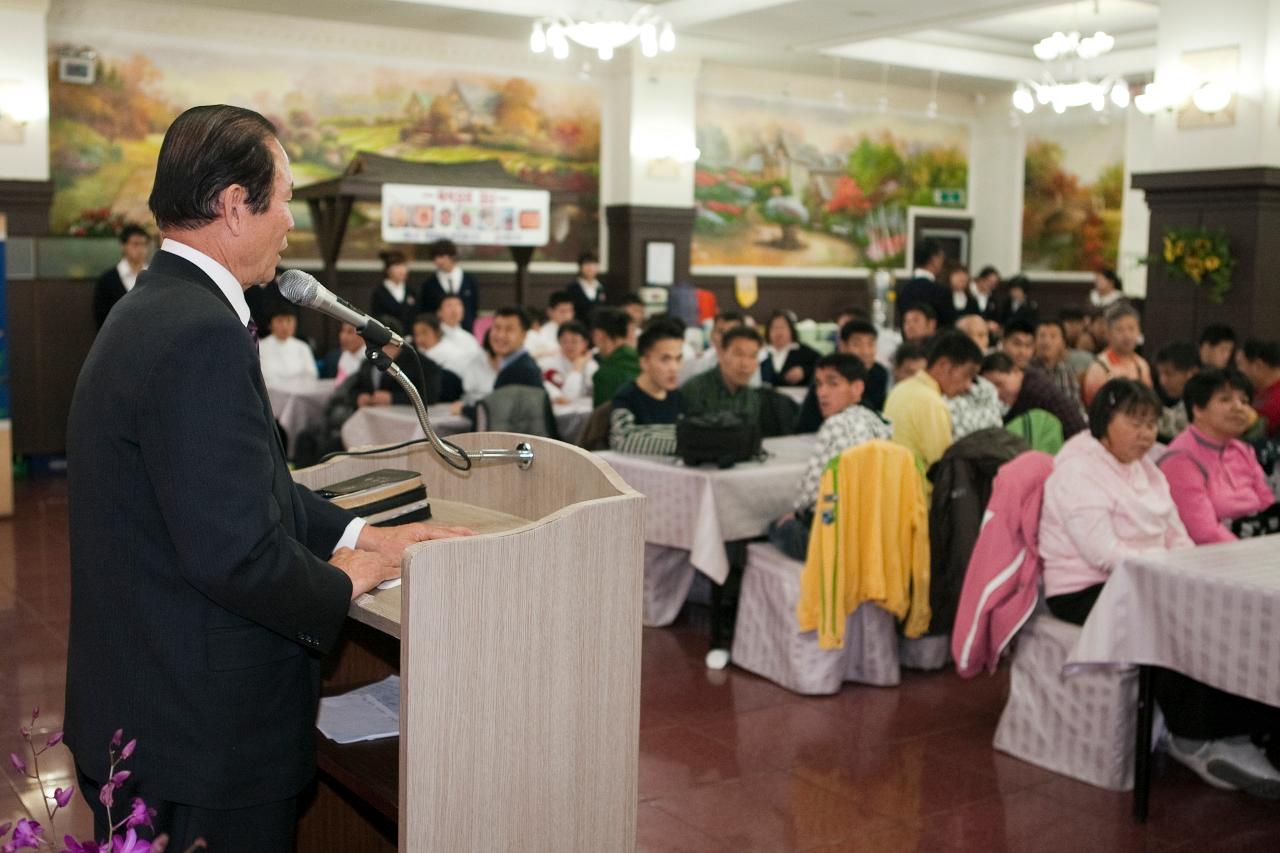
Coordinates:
<point>62,796</point>
<point>54,739</point>
<point>27,834</point>
<point>139,814</point>
<point>18,763</point>
<point>73,846</point>
<point>128,749</point>
<point>131,843</point>
<point>118,737</point>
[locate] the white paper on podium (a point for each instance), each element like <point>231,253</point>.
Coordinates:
<point>368,713</point>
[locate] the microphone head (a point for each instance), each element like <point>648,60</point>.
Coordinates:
<point>298,287</point>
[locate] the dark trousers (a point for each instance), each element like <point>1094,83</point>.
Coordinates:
<point>791,537</point>
<point>1191,710</point>
<point>267,828</point>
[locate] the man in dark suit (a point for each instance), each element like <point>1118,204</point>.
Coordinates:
<point>925,287</point>
<point>113,284</point>
<point>506,339</point>
<point>586,291</point>
<point>204,583</point>
<point>450,278</point>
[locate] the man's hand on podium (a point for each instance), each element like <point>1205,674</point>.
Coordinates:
<point>391,541</point>
<point>366,569</point>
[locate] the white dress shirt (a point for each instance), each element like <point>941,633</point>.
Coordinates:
<point>981,298</point>
<point>449,356</point>
<point>286,362</point>
<point>918,272</point>
<point>590,288</point>
<point>349,365</point>
<point>462,339</point>
<point>778,356</point>
<point>396,289</point>
<point>562,379</point>
<point>451,281</point>
<point>478,377</point>
<point>127,276</point>
<point>234,292</point>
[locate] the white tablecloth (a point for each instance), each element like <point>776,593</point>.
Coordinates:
<point>1211,613</point>
<point>300,404</point>
<point>797,394</point>
<point>699,509</point>
<point>395,424</point>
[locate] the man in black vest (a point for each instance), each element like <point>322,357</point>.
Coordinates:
<point>925,287</point>
<point>205,584</point>
<point>113,284</point>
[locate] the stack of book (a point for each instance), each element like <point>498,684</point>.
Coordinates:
<point>382,498</point>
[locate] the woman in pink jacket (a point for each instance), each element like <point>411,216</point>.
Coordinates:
<point>1105,501</point>
<point>1213,476</point>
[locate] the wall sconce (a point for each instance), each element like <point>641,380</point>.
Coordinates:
<point>666,151</point>
<point>19,105</point>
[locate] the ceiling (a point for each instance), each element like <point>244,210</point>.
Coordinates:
<point>977,45</point>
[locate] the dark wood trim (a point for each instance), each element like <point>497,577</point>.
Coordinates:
<point>1252,178</point>
<point>630,228</point>
<point>26,206</point>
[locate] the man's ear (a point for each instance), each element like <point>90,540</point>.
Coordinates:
<point>234,208</point>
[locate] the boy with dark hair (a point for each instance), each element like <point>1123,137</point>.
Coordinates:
<point>619,362</point>
<point>1023,390</point>
<point>1217,347</point>
<point>908,360</point>
<point>586,292</point>
<point>840,379</point>
<point>919,322</point>
<point>856,338</point>
<point>1053,357</point>
<point>1259,361</point>
<point>727,388</point>
<point>645,411</point>
<point>917,407</point>
<point>1019,342</point>
<point>450,279</point>
<point>924,287</point>
<point>1175,364</point>
<point>113,284</point>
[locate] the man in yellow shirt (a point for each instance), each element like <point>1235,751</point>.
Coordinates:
<point>916,407</point>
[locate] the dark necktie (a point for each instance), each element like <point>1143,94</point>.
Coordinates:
<point>253,334</point>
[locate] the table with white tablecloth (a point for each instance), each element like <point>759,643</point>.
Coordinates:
<point>692,512</point>
<point>299,404</point>
<point>796,393</point>
<point>1211,613</point>
<point>395,424</point>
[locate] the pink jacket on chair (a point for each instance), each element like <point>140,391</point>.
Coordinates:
<point>1000,584</point>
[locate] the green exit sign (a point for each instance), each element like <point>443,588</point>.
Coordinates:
<point>949,198</point>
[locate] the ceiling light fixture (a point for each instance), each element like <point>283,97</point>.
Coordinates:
<point>1081,92</point>
<point>555,32</point>
<point>1070,45</point>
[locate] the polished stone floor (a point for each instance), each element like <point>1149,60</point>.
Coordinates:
<point>728,762</point>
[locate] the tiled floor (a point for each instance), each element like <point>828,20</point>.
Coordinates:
<point>728,762</point>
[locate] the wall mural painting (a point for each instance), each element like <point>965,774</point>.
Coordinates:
<point>105,137</point>
<point>1073,188</point>
<point>783,184</point>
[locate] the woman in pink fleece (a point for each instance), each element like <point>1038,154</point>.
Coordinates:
<point>1213,476</point>
<point>1105,501</point>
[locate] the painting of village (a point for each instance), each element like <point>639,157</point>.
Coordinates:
<point>105,137</point>
<point>785,184</point>
<point>1073,188</point>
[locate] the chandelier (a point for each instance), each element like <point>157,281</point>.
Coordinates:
<point>1049,92</point>
<point>554,33</point>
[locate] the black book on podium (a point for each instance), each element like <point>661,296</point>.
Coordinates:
<point>383,498</point>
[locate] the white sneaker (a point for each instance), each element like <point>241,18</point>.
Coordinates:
<point>1232,764</point>
<point>1195,754</point>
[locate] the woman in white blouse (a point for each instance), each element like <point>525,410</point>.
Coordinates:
<point>285,359</point>
<point>393,298</point>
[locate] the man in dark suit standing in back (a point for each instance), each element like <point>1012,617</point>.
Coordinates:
<point>586,291</point>
<point>113,284</point>
<point>205,584</point>
<point>925,287</point>
<point>450,278</point>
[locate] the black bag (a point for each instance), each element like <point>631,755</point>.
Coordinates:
<point>723,438</point>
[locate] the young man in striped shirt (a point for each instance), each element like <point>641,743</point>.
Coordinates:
<point>645,410</point>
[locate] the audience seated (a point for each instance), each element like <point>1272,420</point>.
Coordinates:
<point>393,298</point>
<point>1218,347</point>
<point>1106,289</point>
<point>859,337</point>
<point>285,359</point>
<point>568,373</point>
<point>371,387</point>
<point>908,360</point>
<point>1120,359</point>
<point>978,408</point>
<point>1019,342</point>
<point>619,363</point>
<point>347,358</point>
<point>917,407</point>
<point>1020,391</point>
<point>976,329</point>
<point>710,357</point>
<point>1213,476</point>
<point>428,339</point>
<point>727,388</point>
<point>634,307</point>
<point>924,288</point>
<point>546,343</point>
<point>1053,358</point>
<point>1080,349</point>
<point>645,411</point>
<point>1259,361</point>
<point>840,380</point>
<point>1094,337</point>
<point>506,340</point>
<point>451,313</point>
<point>919,323</point>
<point>1106,501</point>
<point>1175,364</point>
<point>784,361</point>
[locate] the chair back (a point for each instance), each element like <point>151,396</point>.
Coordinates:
<point>595,435</point>
<point>517,408</point>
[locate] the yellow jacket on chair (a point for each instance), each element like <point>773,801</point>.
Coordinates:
<point>869,542</point>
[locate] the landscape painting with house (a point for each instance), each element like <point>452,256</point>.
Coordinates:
<point>104,138</point>
<point>787,184</point>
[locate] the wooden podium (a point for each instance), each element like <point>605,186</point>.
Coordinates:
<point>519,657</point>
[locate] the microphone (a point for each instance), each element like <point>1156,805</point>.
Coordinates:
<point>303,289</point>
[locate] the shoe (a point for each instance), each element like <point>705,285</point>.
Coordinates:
<point>1243,764</point>
<point>1231,764</point>
<point>1194,754</point>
